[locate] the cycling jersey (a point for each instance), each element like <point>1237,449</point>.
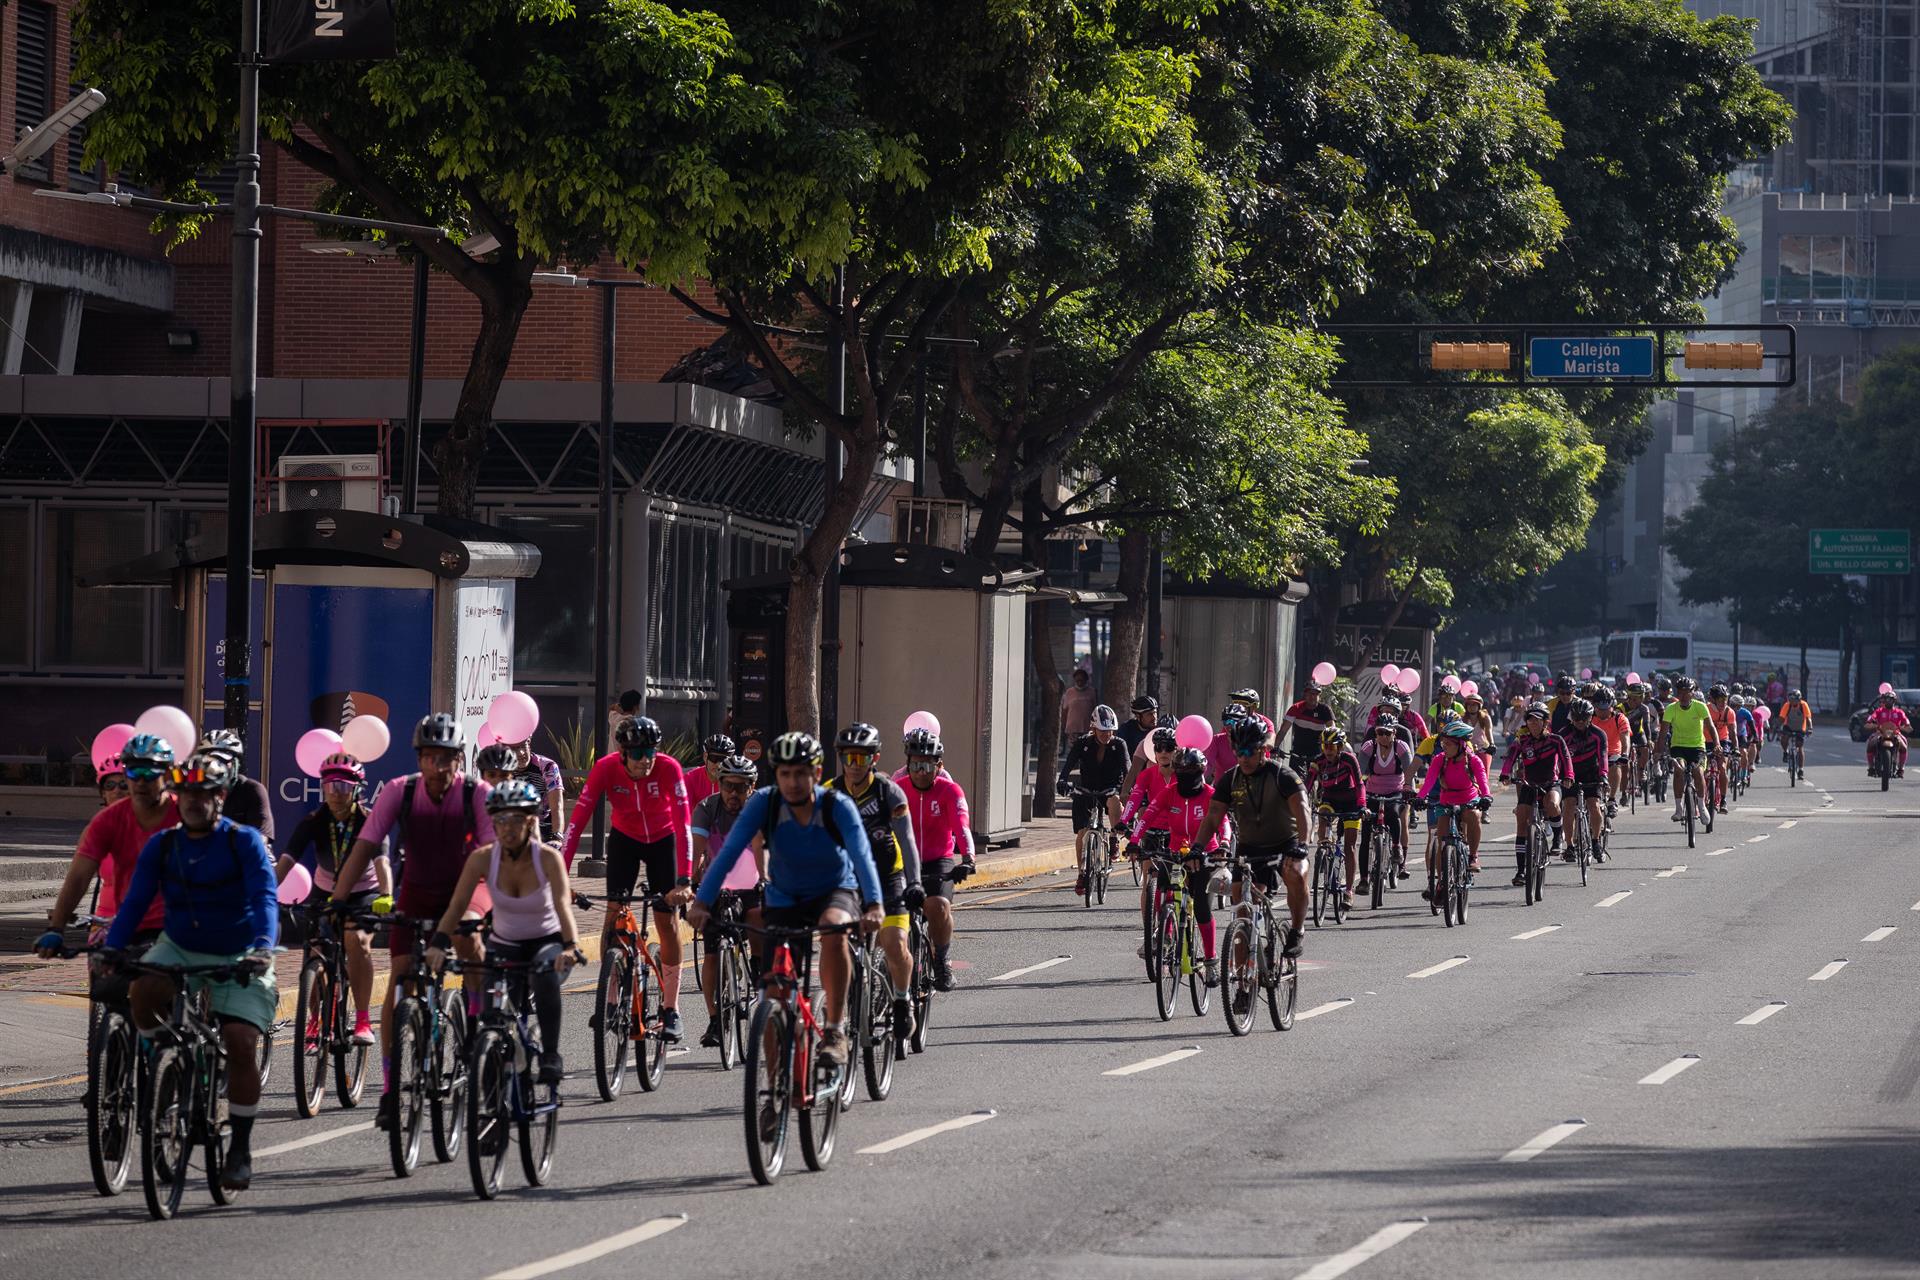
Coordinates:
<point>1260,804</point>
<point>942,827</point>
<point>1180,817</point>
<point>114,839</point>
<point>1723,723</point>
<point>1888,718</point>
<point>1307,723</point>
<point>543,773</point>
<point>1146,789</point>
<point>700,785</point>
<point>1385,775</point>
<point>1460,781</point>
<point>1587,750</point>
<point>645,809</point>
<point>1640,722</point>
<point>321,842</point>
<point>1541,759</point>
<point>1687,726</point>
<point>1618,731</point>
<point>711,822</point>
<point>218,889</point>
<point>1102,768</point>
<point>1797,716</point>
<point>803,862</point>
<point>876,806</point>
<point>1336,779</point>
<point>1743,721</point>
<point>1559,710</point>
<point>436,835</point>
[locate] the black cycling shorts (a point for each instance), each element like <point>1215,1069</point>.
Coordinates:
<point>626,857</point>
<point>806,915</point>
<point>1691,755</point>
<point>1528,793</point>
<point>750,900</point>
<point>1265,863</point>
<point>1084,806</point>
<point>1593,788</point>
<point>936,878</point>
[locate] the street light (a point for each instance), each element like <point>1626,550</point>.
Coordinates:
<point>39,140</point>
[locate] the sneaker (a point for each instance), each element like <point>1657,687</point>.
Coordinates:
<point>1405,874</point>
<point>1365,885</point>
<point>553,1069</point>
<point>383,1118</point>
<point>1293,948</point>
<point>236,1172</point>
<point>903,1019</point>
<point>1426,895</point>
<point>943,976</point>
<point>1346,904</point>
<point>1473,865</point>
<point>670,1026</point>
<point>1080,885</point>
<point>1213,973</point>
<point>1567,856</point>
<point>1678,816</point>
<point>710,1038</point>
<point>1519,879</point>
<point>1723,808</point>
<point>833,1047</point>
<point>1242,1004</point>
<point>363,1030</point>
<point>769,1121</point>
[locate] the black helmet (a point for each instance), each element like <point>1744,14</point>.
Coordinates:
<point>1538,711</point>
<point>224,742</point>
<point>1683,685</point>
<point>1563,683</point>
<point>858,737</point>
<point>1718,691</point>
<point>923,742</point>
<point>1145,702</point>
<point>719,745</point>
<point>638,736</point>
<point>1165,740</point>
<point>204,771</point>
<point>792,748</point>
<point>515,795</point>
<point>1580,709</point>
<point>1249,735</point>
<point>1603,697</point>
<point>439,730</point>
<point>739,767</point>
<point>1387,723</point>
<point>496,757</point>
<point>1189,764</point>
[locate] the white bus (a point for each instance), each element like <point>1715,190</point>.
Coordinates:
<point>1648,652</point>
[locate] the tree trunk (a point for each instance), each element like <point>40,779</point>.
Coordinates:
<point>458,454</point>
<point>808,572</point>
<point>1129,622</point>
<point>1046,743</point>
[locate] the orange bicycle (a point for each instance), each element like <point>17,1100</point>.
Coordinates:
<point>627,1002</point>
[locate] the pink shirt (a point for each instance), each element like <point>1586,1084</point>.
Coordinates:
<point>1180,817</point>
<point>1459,781</point>
<point>1892,717</point>
<point>437,834</point>
<point>941,824</point>
<point>700,785</point>
<point>1146,788</point>
<point>114,839</point>
<point>647,809</point>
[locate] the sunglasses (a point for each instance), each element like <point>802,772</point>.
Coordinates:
<point>858,759</point>
<point>715,759</point>
<point>736,786</point>
<point>339,784</point>
<point>113,784</point>
<point>1245,752</point>
<point>640,755</point>
<point>922,766</point>
<point>146,772</point>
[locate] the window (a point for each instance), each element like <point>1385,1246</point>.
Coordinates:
<point>1899,145</point>
<point>92,627</point>
<point>684,556</point>
<point>1899,64</point>
<point>1793,268</point>
<point>174,525</point>
<point>80,175</point>
<point>1830,263</point>
<point>16,584</point>
<point>1663,648</point>
<point>33,75</point>
<point>553,610</point>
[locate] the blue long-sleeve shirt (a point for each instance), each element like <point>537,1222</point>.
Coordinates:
<point>218,889</point>
<point>803,863</point>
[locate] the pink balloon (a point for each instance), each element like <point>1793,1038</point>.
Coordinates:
<point>295,888</point>
<point>1193,732</point>
<point>1885,687</point>
<point>921,720</point>
<point>513,716</point>
<point>315,745</point>
<point>1586,673</point>
<point>1471,689</point>
<point>1390,675</point>
<point>1533,682</point>
<point>1324,673</point>
<point>1450,683</point>
<point>107,744</point>
<point>1633,677</point>
<point>1409,680</point>
<point>172,725</point>
<point>485,738</point>
<point>365,738</point>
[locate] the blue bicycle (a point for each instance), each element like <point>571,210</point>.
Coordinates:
<point>502,1093</point>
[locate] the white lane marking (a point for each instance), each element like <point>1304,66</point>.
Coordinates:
<point>1768,835</point>
<point>1714,853</point>
<point>1151,1063</point>
<point>1670,872</point>
<point>1328,1007</point>
<point>1377,1243</point>
<point>1032,968</point>
<point>1551,1138</point>
<point>1827,971</point>
<point>313,1140</point>
<point>1914,907</point>
<point>1533,933</point>
<point>1883,932</point>
<point>1442,967</point>
<point>1761,1014</point>
<point>1502,839</point>
<point>921,1135</point>
<point>1789,824</point>
<point>1613,899</point>
<point>1671,1070</point>
<point>588,1252</point>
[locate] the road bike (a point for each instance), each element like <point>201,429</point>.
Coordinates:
<point>869,1020</point>
<point>1793,753</point>
<point>733,998</point>
<point>920,986</point>
<point>627,1009</point>
<point>1659,777</point>
<point>1329,888</point>
<point>504,1094</point>
<point>1716,785</point>
<point>1102,841</point>
<point>322,1020</point>
<point>1533,867</point>
<point>1580,836</point>
<point>1251,960</point>
<point>1688,798</point>
<point>1171,947</point>
<point>1384,852</point>
<point>784,1073</point>
<point>429,1047</point>
<point>1448,879</point>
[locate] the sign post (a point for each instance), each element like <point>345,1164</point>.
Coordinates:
<point>1598,357</point>
<point>1876,551</point>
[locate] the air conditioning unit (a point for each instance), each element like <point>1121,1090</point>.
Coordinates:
<point>933,522</point>
<point>328,482</point>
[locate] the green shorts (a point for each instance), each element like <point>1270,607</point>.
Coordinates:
<point>254,1001</point>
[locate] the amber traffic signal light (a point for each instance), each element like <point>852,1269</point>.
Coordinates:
<point>1486,357</point>
<point>1724,355</point>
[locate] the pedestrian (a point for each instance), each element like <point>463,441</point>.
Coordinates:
<point>625,707</point>
<point>1076,706</point>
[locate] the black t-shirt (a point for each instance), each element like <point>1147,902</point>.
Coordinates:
<point>1259,804</point>
<point>328,839</point>
<point>247,805</point>
<point>1101,768</point>
<point>1133,733</point>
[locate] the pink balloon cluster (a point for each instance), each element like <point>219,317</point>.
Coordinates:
<point>1470,689</point>
<point>171,725</point>
<point>107,744</point>
<point>1885,687</point>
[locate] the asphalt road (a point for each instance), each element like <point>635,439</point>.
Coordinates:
<point>1597,1089</point>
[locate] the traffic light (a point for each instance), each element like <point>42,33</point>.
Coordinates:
<point>1486,357</point>
<point>1724,355</point>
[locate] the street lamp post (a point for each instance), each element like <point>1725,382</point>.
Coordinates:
<point>243,377</point>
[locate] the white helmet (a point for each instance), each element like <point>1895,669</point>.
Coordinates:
<point>1103,718</point>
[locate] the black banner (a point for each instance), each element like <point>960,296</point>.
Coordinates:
<point>325,30</point>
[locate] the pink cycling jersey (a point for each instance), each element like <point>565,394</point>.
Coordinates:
<point>941,823</point>
<point>1146,788</point>
<point>1888,718</point>
<point>1181,817</point>
<point>1460,781</point>
<point>645,809</point>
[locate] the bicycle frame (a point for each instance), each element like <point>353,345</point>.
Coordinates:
<point>628,929</point>
<point>498,1009</point>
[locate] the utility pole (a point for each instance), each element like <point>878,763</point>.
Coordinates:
<point>836,465</point>
<point>242,418</point>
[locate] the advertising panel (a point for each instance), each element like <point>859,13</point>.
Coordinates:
<point>483,666</point>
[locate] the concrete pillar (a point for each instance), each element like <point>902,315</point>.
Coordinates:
<point>53,332</point>
<point>16,307</point>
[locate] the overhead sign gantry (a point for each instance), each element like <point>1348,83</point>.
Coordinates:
<point>1578,353</point>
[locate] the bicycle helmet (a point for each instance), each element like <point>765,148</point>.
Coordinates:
<point>1248,735</point>
<point>343,767</point>
<point>1145,702</point>
<point>855,737</point>
<point>515,795</point>
<point>739,767</point>
<point>1248,698</point>
<point>1580,709</point>
<point>1458,729</point>
<point>1602,697</point>
<point>789,748</point>
<point>1792,695</point>
<point>439,730</point>
<point>1335,735</point>
<point>147,749</point>
<point>1683,685</point>
<point>1189,764</point>
<point>1538,711</point>
<point>924,742</point>
<point>1386,724</point>
<point>719,744</point>
<point>224,742</point>
<point>639,736</point>
<point>1164,740</point>
<point>496,757</point>
<point>1233,714</point>
<point>1104,719</point>
<point>1563,683</point>
<point>204,771</point>
<point>1447,716</point>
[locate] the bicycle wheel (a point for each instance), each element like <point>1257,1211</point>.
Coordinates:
<point>1165,953</point>
<point>409,1086</point>
<point>166,1132</point>
<point>858,1029</point>
<point>1103,870</point>
<point>1283,987</point>
<point>1381,862</point>
<point>1146,946</point>
<point>218,1126</point>
<point>1434,901</point>
<point>1239,976</point>
<point>1585,851</point>
<point>1885,758</point>
<point>1686,809</point>
<point>878,1044</point>
<point>612,1021</point>
<point>312,1038</point>
<point>263,1057</point>
<point>820,1121</point>
<point>350,1058</point>
<point>1199,994</point>
<point>768,1096</point>
<point>1337,889</point>
<point>652,1054</point>
<point>449,1076</point>
<point>1527,882</point>
<point>731,984</point>
<point>489,1109</point>
<point>1457,857</point>
<point>539,1132</point>
<point>111,1099</point>
<point>922,946</point>
<point>1318,905</point>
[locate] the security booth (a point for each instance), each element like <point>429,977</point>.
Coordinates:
<point>355,613</point>
<point>1402,637</point>
<point>1223,635</point>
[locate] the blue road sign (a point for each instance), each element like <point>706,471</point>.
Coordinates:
<point>1591,358</point>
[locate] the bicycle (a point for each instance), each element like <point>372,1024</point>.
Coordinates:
<point>627,1001</point>
<point>1716,786</point>
<point>733,1001</point>
<point>1580,839</point>
<point>1328,887</point>
<point>1882,760</point>
<point>503,1061</point>
<point>183,1092</point>
<point>1101,840</point>
<point>1794,753</point>
<point>1447,876</point>
<point>1686,795</point>
<point>112,1092</point>
<point>1659,777</point>
<point>1170,948</point>
<point>321,1018</point>
<point>920,986</point>
<point>1534,869</point>
<point>1251,960</point>
<point>870,1020</point>
<point>783,1072</point>
<point>1384,853</point>
<point>429,1054</point>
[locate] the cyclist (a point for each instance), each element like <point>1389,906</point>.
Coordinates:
<point>1269,809</point>
<point>1150,781</point>
<point>714,753</point>
<point>1796,718</point>
<point>496,763</point>
<point>1762,724</point>
<point>1724,728</point>
<point>1443,701</point>
<point>943,831</point>
<point>246,801</point>
<point>543,774</point>
<point>215,880</point>
<point>712,821</point>
<point>1587,748</point>
<point>1102,760</point>
<point>1540,757</point>
<point>1459,775</point>
<point>439,814</point>
<point>1336,782</point>
<point>111,781</point>
<point>1887,720</point>
<point>532,918</point>
<point>1745,726</point>
<point>1641,719</point>
<point>1146,718</point>
<point>820,871</point>
<point>1611,721</point>
<point>1473,713</point>
<point>322,839</point>
<point>1560,706</point>
<point>1307,719</point>
<point>1386,766</point>
<point>882,803</point>
<point>1219,752</point>
<point>1181,811</point>
<point>646,794</point>
<point>1686,729</point>
<point>114,837</point>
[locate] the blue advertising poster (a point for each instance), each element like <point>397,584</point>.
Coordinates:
<point>214,675</point>
<point>339,652</point>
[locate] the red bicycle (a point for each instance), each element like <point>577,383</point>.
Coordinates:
<point>784,1073</point>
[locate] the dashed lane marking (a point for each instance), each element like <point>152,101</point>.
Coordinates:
<point>1032,968</point>
<point>1761,1014</point>
<point>1670,872</point>
<point>1442,967</point>
<point>1827,971</point>
<point>1614,899</point>
<point>588,1252</point>
<point>1671,1070</point>
<point>1328,1007</point>
<point>315,1139</point>
<point>1542,931</point>
<point>1377,1243</point>
<point>1550,1138</point>
<point>1161,1061</point>
<point>921,1135</point>
<point>1884,932</point>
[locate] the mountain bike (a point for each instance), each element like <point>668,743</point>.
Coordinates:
<point>1384,853</point>
<point>783,1070</point>
<point>1580,837</point>
<point>113,1080</point>
<point>503,1093</point>
<point>1533,868</point>
<point>1251,962</point>
<point>1172,951</point>
<point>1101,843</point>
<point>1448,879</point>
<point>1328,888</point>
<point>429,1054</point>
<point>920,986</point>
<point>1716,785</point>
<point>627,1007</point>
<point>323,1025</point>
